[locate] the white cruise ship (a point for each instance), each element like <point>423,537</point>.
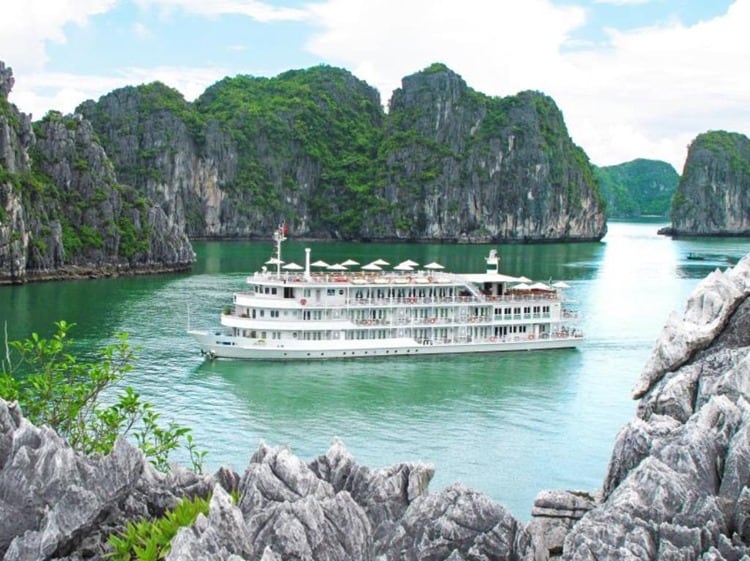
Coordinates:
<point>322,311</point>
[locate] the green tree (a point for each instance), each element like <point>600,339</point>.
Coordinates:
<point>55,389</point>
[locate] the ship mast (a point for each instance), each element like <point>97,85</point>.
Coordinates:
<point>279,236</point>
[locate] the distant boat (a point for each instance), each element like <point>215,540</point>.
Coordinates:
<point>288,314</point>
<point>696,256</point>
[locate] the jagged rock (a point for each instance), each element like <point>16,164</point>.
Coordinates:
<point>676,486</point>
<point>457,523</point>
<point>57,504</point>
<point>707,311</point>
<point>553,515</point>
<point>385,494</point>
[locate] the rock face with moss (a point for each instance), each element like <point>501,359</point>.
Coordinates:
<point>63,212</point>
<point>462,166</point>
<point>713,198</point>
<point>315,148</point>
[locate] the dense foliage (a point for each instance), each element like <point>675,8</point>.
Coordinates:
<point>83,401</point>
<point>150,539</point>
<point>320,118</point>
<point>638,188</point>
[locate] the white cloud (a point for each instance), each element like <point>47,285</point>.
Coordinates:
<point>646,93</point>
<point>141,31</point>
<point>260,11</point>
<point>25,27</point>
<point>40,92</point>
<point>495,46</point>
<point>623,2</point>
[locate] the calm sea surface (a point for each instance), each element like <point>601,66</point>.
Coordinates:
<point>508,424</point>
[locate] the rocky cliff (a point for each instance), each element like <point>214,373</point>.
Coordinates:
<point>713,197</point>
<point>678,483</point>
<point>677,487</point>
<point>462,166</point>
<point>315,148</point>
<point>63,212</point>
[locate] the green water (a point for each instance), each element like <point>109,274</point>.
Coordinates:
<point>508,424</point>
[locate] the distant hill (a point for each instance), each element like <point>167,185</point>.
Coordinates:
<point>638,188</point>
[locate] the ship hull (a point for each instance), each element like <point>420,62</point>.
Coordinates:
<point>217,345</point>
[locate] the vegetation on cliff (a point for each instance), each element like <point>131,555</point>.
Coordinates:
<point>63,211</point>
<point>321,119</point>
<point>637,188</point>
<point>713,196</point>
<point>314,147</point>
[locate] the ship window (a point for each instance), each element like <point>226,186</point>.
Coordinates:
<point>273,290</point>
<point>274,313</point>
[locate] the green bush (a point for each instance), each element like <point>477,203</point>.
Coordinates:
<point>53,388</point>
<point>150,540</point>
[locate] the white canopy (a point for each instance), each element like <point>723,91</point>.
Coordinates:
<point>521,286</point>
<point>337,267</point>
<point>292,267</point>
<point>274,261</point>
<point>320,263</point>
<point>434,266</point>
<point>372,267</point>
<point>561,284</point>
<point>540,286</point>
<point>349,262</point>
<point>381,262</point>
<point>524,279</point>
<point>409,262</point>
<point>403,267</point>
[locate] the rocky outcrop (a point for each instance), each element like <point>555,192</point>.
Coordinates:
<point>64,214</point>
<point>678,481</point>
<point>314,147</point>
<point>59,505</point>
<point>162,147</point>
<point>713,197</point>
<point>461,166</point>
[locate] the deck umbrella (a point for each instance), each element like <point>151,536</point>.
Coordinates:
<point>372,267</point>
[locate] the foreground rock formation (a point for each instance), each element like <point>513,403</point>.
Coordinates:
<point>677,487</point>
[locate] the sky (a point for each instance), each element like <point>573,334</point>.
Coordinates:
<point>633,78</point>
